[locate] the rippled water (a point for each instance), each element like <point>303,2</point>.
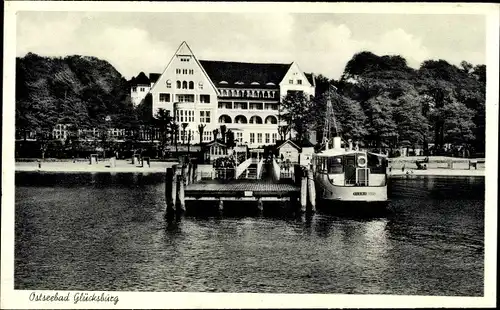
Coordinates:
<point>107,232</point>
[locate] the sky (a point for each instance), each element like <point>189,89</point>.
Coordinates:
<point>319,43</point>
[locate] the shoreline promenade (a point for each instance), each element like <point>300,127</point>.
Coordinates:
<point>102,166</point>
<point>124,166</point>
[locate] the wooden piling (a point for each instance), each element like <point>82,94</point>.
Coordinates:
<point>311,193</point>
<point>194,174</point>
<point>190,174</point>
<point>182,172</point>
<point>303,193</point>
<point>260,204</point>
<point>170,190</point>
<point>180,194</point>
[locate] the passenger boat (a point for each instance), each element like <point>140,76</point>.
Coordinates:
<point>348,175</point>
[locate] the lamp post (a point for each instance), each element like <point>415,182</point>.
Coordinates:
<point>107,119</point>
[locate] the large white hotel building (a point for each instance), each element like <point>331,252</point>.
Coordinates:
<point>243,96</point>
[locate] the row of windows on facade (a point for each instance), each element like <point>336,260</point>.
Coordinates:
<point>118,133</point>
<point>188,116</point>
<point>61,132</point>
<point>166,97</point>
<point>184,71</point>
<point>269,138</point>
<point>223,92</point>
<point>247,93</point>
<point>299,82</point>
<point>184,135</point>
<point>184,84</point>
<point>245,106</point>
<point>141,89</point>
<point>240,119</point>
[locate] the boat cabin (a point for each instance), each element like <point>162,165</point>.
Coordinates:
<point>352,168</point>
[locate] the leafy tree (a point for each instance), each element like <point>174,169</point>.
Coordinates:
<point>380,124</point>
<point>183,135</point>
<point>215,133</point>
<point>284,130</point>
<point>201,130</point>
<point>174,127</point>
<point>298,111</point>
<point>223,131</point>
<point>230,141</point>
<point>189,141</point>
<point>458,125</point>
<point>163,122</point>
<point>412,124</point>
<point>348,115</point>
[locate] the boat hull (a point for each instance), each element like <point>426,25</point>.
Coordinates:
<point>330,192</point>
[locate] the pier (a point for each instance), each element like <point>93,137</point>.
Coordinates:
<point>255,181</point>
<point>245,190</point>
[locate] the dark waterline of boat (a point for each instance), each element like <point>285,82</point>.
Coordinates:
<point>101,231</point>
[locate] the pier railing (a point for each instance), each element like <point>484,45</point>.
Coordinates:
<point>259,168</point>
<point>242,167</point>
<point>225,173</point>
<point>276,170</point>
<point>287,170</point>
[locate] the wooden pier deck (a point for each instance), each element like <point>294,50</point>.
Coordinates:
<point>251,190</point>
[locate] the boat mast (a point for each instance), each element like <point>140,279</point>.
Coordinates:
<point>329,121</point>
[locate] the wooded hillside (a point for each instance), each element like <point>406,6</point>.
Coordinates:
<point>76,90</point>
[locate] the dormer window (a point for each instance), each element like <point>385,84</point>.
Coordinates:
<point>255,83</point>
<point>223,82</point>
<point>239,83</point>
<point>270,84</point>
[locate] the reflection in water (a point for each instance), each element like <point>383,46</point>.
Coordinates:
<point>108,232</point>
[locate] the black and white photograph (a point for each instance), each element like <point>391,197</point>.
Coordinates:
<point>248,155</point>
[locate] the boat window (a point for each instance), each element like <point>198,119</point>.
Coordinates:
<point>350,169</point>
<point>335,165</point>
<point>377,164</point>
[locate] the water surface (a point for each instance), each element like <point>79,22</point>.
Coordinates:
<point>101,231</point>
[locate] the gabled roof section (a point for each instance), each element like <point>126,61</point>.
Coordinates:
<point>216,142</point>
<point>185,50</point>
<point>294,64</point>
<point>244,72</point>
<point>290,142</point>
<point>142,79</point>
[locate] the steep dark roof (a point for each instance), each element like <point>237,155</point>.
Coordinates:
<point>233,72</point>
<point>305,143</point>
<point>310,78</point>
<point>142,79</point>
<point>153,77</point>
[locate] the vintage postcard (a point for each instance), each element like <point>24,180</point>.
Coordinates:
<point>249,155</point>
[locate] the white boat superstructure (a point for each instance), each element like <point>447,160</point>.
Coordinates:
<point>350,175</point>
